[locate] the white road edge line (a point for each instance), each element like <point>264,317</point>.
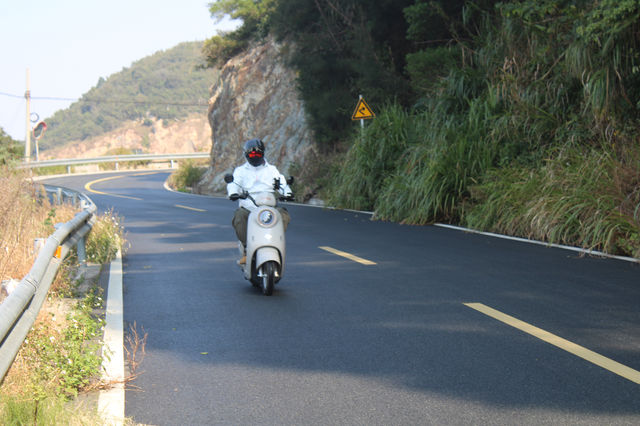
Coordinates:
<point>111,401</point>
<point>524,240</point>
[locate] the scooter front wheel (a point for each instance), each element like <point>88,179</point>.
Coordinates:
<point>268,277</point>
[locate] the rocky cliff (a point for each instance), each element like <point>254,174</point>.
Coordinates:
<point>255,97</point>
<point>190,134</point>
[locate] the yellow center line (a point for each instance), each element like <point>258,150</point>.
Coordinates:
<point>88,185</point>
<point>143,174</point>
<point>582,352</point>
<point>189,208</point>
<point>347,255</point>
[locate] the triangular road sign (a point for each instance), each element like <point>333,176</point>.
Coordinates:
<point>362,111</point>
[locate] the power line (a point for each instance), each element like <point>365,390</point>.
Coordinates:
<point>108,101</point>
<point>11,96</point>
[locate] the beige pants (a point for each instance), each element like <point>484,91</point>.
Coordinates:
<point>241,217</point>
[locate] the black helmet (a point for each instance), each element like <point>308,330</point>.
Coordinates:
<point>254,152</point>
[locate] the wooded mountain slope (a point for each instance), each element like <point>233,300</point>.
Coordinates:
<point>167,85</point>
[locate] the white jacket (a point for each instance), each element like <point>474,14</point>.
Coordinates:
<point>256,179</point>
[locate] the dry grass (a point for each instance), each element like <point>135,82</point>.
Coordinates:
<point>60,356</point>
<point>22,220</point>
<point>24,216</point>
<point>135,347</point>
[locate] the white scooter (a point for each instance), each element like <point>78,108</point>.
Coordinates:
<point>265,240</point>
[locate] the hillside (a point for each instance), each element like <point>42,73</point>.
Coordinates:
<point>167,86</point>
<point>516,117</point>
<point>185,135</point>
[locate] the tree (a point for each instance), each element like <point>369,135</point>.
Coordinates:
<point>343,48</point>
<point>255,16</point>
<point>10,150</point>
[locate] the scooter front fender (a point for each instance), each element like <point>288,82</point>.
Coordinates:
<point>262,255</point>
<point>265,254</point>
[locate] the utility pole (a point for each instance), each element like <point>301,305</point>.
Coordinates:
<point>27,137</point>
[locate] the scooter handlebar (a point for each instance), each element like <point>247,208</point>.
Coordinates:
<point>236,197</point>
<point>245,195</point>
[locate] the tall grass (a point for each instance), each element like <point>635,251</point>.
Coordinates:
<point>583,198</point>
<point>22,220</point>
<point>535,136</point>
<point>433,179</point>
<point>49,411</point>
<point>374,155</point>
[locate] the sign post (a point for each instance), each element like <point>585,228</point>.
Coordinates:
<point>38,132</point>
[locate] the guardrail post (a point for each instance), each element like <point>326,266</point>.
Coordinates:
<point>116,165</point>
<point>38,243</point>
<point>68,170</point>
<point>59,196</point>
<point>82,251</point>
<point>172,163</point>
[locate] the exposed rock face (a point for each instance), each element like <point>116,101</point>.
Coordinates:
<point>191,134</point>
<point>255,97</point>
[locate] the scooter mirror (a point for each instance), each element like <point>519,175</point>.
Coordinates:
<point>228,178</point>
<point>290,180</point>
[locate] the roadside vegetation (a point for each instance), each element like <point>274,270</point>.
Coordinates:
<point>188,175</point>
<point>127,164</point>
<point>10,150</point>
<point>514,117</point>
<point>60,358</point>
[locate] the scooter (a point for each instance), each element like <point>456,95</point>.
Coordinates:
<point>265,250</point>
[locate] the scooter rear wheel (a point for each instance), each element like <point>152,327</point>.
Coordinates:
<point>268,277</point>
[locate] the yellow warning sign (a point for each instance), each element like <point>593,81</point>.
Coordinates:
<point>362,111</point>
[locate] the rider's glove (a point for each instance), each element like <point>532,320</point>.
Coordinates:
<point>234,197</point>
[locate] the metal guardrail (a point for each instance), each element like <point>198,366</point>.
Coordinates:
<point>19,310</point>
<point>60,195</point>
<point>113,159</point>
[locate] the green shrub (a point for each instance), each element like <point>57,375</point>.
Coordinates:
<point>11,150</point>
<point>51,170</point>
<point>427,67</point>
<point>187,176</point>
<point>55,364</point>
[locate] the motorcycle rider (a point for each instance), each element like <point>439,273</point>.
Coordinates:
<point>256,175</point>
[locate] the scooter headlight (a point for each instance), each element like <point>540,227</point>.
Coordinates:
<point>267,218</point>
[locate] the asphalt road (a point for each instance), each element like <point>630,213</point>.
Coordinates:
<point>341,342</point>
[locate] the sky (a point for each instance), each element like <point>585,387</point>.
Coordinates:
<point>67,45</point>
